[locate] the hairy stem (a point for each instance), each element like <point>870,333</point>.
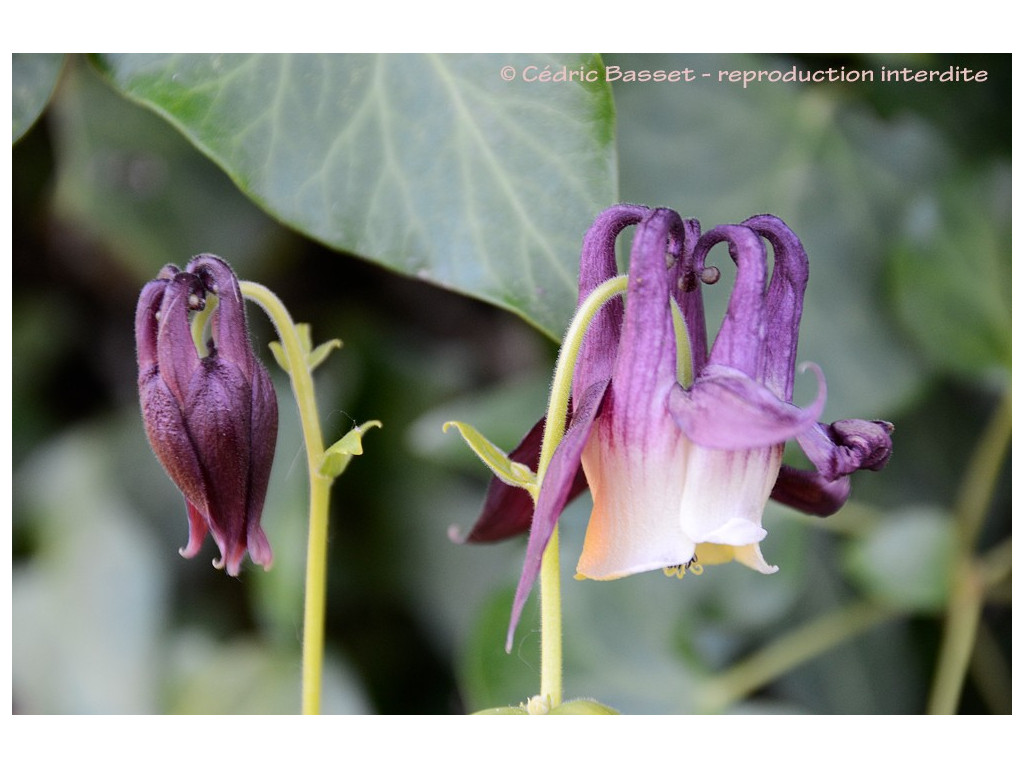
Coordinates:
<point>558,405</point>
<point>319,494</point>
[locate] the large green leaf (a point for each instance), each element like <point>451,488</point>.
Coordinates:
<point>33,78</point>
<point>433,165</point>
<point>128,181</point>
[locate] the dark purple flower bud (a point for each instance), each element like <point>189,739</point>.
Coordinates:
<point>212,421</point>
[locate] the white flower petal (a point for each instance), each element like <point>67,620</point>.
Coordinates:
<point>634,526</point>
<point>736,532</point>
<point>660,499</point>
<point>726,486</point>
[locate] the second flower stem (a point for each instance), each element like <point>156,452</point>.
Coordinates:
<point>551,624</point>
<point>554,430</point>
<point>319,493</point>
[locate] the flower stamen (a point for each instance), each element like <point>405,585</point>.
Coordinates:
<point>690,566</point>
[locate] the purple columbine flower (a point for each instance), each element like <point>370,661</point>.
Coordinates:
<point>212,421</point>
<point>682,447</point>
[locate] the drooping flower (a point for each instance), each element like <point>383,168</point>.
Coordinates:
<point>682,447</point>
<point>211,420</point>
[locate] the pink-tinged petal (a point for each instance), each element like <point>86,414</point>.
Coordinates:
<point>727,410</point>
<point>259,547</point>
<point>555,489</point>
<point>231,554</point>
<point>197,530</point>
<point>809,492</point>
<point>637,486</point>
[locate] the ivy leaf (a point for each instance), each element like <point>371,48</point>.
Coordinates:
<point>33,79</point>
<point>129,182</point>
<point>433,165</point>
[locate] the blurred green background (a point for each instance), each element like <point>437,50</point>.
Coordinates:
<point>901,195</point>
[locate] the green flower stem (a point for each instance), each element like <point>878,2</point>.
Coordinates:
<point>982,473</point>
<point>968,594</point>
<point>319,493</point>
<point>996,566</point>
<point>991,673</point>
<point>962,617</point>
<point>558,406</point>
<point>551,625</point>
<point>788,652</point>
